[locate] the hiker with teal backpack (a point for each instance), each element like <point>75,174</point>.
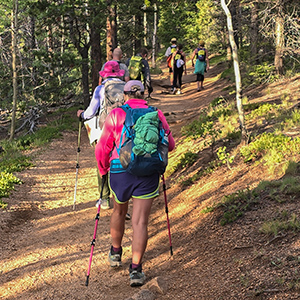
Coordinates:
<point>124,157</point>
<point>202,64</point>
<point>169,52</point>
<point>96,113</point>
<point>139,69</point>
<point>179,66</point>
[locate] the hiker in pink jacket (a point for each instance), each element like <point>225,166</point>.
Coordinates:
<point>125,186</point>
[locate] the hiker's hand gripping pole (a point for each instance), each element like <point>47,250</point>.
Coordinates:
<point>95,231</point>
<point>77,163</point>
<point>167,213</point>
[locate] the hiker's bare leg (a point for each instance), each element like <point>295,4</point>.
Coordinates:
<point>117,223</point>
<point>140,215</point>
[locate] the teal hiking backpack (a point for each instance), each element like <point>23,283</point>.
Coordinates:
<point>135,68</point>
<point>143,148</point>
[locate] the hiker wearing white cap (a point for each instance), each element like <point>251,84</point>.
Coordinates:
<point>170,50</point>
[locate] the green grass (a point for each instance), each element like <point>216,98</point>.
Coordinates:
<point>187,159</point>
<point>7,183</point>
<point>236,204</point>
<point>281,224</point>
<point>271,149</point>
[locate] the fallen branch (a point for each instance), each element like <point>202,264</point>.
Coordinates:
<point>31,119</point>
<point>242,247</point>
<point>275,238</point>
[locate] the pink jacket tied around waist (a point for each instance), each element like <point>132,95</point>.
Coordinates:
<point>105,150</point>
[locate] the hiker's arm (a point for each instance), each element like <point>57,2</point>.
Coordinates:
<point>207,60</point>
<point>93,106</point>
<point>194,53</point>
<point>105,146</point>
<point>173,60</point>
<point>168,52</point>
<point>147,76</point>
<point>166,127</point>
<point>100,78</point>
<point>126,75</point>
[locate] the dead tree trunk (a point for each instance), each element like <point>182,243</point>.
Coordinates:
<point>279,40</point>
<point>238,82</point>
<point>154,36</point>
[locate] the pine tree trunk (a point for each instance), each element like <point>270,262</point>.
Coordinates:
<point>254,33</point>
<point>85,75</point>
<point>95,55</point>
<point>14,27</point>
<point>111,32</point>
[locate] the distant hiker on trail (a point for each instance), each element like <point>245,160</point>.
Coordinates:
<point>139,69</point>
<point>202,64</point>
<point>117,56</point>
<point>170,50</point>
<point>179,65</point>
<point>111,74</point>
<point>124,185</point>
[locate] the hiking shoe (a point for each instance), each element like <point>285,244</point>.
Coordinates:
<point>179,92</point>
<point>114,259</point>
<point>105,203</point>
<point>137,276</point>
<point>174,91</point>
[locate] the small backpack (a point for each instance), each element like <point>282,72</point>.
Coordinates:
<point>113,97</point>
<point>169,59</point>
<point>179,62</point>
<point>201,54</point>
<point>135,68</point>
<point>143,148</point>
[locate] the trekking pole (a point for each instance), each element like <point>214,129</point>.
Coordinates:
<point>167,213</point>
<point>95,231</point>
<point>77,163</point>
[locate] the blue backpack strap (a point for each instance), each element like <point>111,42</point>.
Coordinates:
<point>126,108</point>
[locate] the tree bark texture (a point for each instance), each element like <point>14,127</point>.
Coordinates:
<point>279,39</point>
<point>95,55</point>
<point>14,26</point>
<point>111,31</point>
<point>154,37</point>
<point>254,33</point>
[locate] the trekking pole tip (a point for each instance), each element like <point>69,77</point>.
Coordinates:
<point>87,280</point>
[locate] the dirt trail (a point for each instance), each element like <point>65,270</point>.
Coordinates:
<point>45,245</point>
